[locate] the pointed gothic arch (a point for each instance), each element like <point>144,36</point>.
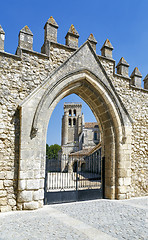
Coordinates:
<point>94,87</point>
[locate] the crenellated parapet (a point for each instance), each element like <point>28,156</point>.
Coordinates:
<point>25,43</point>
<point>32,84</point>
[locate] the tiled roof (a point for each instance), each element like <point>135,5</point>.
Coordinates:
<point>83,152</point>
<point>91,125</point>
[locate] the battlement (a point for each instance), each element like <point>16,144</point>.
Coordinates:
<point>32,84</point>
<point>72,104</point>
<point>25,43</point>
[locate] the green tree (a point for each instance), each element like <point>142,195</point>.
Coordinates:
<point>52,151</point>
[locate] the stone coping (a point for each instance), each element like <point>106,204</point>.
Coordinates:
<point>139,89</point>
<point>106,58</point>
<point>10,55</point>
<point>63,46</point>
<point>34,53</point>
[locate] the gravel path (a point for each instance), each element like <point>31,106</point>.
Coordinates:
<point>98,219</point>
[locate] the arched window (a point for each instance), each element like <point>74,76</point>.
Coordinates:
<point>74,112</point>
<point>74,121</point>
<point>70,112</point>
<point>95,136</point>
<point>69,121</point>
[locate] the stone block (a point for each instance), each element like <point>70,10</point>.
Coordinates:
<point>5,208</point>
<point>30,206</point>
<point>19,206</point>
<point>27,174</point>
<point>33,184</point>
<point>41,194</point>
<point>121,196</point>
<point>122,189</point>
<point>2,175</point>
<point>42,182</point>
<point>9,175</point>
<point>3,201</point>
<point>40,203</point>
<point>21,184</point>
<point>25,196</point>
<point>3,193</point>
<point>36,195</point>
<point>22,174</point>
<point>127,181</point>
<point>122,173</point>
<point>1,185</point>
<point>12,202</point>
<point>8,183</point>
<point>37,173</point>
<point>121,181</point>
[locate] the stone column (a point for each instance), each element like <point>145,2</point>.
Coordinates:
<point>65,128</point>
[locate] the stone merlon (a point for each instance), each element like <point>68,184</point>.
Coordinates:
<point>136,77</point>
<point>146,82</point>
<point>122,67</point>
<point>50,35</point>
<point>25,38</point>
<point>92,41</point>
<point>50,28</point>
<point>26,30</point>
<point>106,49</point>
<point>72,37</point>
<point>51,21</point>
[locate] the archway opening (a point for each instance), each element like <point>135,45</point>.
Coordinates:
<point>72,168</point>
<point>111,117</point>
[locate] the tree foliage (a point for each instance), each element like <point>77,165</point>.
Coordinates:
<point>52,151</point>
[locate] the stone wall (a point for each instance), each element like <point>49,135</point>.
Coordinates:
<point>136,102</point>
<point>20,74</point>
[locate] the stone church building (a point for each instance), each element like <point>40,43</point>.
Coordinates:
<point>77,134</point>
<point>31,85</point>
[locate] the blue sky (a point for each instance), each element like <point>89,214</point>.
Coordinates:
<point>124,23</point>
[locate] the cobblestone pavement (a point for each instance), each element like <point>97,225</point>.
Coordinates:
<point>98,219</point>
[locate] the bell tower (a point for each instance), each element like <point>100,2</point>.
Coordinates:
<point>71,127</point>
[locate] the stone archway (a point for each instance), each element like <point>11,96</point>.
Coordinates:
<point>114,122</point>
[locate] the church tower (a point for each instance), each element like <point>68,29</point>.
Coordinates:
<point>71,127</point>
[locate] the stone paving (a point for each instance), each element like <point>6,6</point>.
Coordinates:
<point>98,219</point>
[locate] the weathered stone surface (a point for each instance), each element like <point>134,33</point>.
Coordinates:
<point>25,196</point>
<point>63,69</point>
<point>30,206</point>
<point>33,184</point>
<point>3,201</point>
<point>5,208</point>
<point>1,185</point>
<point>3,193</point>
